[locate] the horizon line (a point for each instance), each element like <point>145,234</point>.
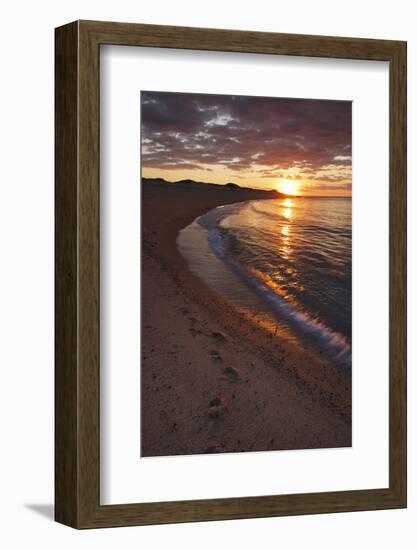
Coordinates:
<point>231,183</point>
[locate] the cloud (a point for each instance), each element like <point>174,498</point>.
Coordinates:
<point>342,157</point>
<point>243,133</point>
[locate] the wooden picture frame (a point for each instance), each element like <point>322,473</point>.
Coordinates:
<point>77,474</point>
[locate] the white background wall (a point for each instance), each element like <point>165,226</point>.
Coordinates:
<point>26,272</point>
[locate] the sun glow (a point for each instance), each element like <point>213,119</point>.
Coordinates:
<point>288,187</point>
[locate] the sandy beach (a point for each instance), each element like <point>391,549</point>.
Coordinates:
<point>213,380</point>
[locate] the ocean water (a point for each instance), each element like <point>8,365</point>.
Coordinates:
<point>286,262</point>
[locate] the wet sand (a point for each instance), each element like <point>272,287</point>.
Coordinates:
<point>212,379</point>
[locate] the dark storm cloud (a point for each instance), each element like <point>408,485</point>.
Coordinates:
<point>241,133</point>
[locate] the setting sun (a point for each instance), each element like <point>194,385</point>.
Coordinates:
<point>288,187</point>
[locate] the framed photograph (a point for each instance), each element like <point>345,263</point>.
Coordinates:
<point>230,274</point>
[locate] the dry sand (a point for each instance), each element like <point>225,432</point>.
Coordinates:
<point>213,380</point>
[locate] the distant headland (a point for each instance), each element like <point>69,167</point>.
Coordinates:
<point>191,184</point>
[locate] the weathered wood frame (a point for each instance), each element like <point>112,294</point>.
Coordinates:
<point>77,274</point>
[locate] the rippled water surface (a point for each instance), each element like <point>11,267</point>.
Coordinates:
<point>287,260</point>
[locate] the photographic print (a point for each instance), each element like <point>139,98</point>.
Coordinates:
<point>246,273</point>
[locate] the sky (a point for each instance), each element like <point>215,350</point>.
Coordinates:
<point>297,146</point>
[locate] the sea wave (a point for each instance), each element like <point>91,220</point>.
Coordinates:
<point>245,237</point>
<point>336,343</point>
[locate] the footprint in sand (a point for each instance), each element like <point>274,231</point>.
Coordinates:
<point>215,356</point>
<point>217,408</point>
<point>231,374</point>
<point>219,337</point>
